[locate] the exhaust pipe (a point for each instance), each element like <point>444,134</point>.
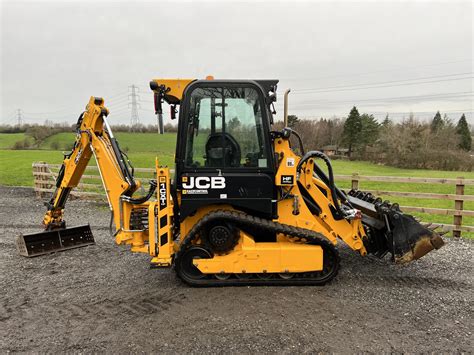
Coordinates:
<point>285,108</point>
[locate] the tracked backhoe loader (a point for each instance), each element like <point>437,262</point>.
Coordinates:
<point>243,206</point>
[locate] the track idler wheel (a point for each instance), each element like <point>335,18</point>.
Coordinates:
<point>330,266</point>
<point>185,267</point>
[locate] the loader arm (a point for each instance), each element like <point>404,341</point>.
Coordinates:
<point>94,136</point>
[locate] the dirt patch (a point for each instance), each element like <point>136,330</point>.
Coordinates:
<point>105,298</point>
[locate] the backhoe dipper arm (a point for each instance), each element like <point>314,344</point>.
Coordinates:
<point>94,136</point>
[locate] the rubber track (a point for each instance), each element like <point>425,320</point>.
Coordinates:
<point>242,219</point>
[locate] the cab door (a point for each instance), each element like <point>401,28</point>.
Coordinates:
<point>225,153</point>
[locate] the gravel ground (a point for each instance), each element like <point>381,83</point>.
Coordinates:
<point>104,298</point>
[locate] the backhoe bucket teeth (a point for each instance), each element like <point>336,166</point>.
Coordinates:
<point>390,230</point>
<point>36,244</point>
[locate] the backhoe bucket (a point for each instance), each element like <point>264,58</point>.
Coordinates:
<point>390,230</point>
<point>36,244</point>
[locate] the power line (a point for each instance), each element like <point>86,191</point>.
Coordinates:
<point>399,98</point>
<point>111,97</point>
<point>380,71</point>
<point>119,99</point>
<point>381,84</point>
<point>121,110</point>
<point>122,105</point>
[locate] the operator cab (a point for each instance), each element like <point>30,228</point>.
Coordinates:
<point>224,153</point>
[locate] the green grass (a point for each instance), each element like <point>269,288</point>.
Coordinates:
<point>132,142</point>
<point>15,165</point>
<point>64,141</point>
<point>15,168</point>
<point>7,140</point>
<point>147,142</point>
<point>343,167</point>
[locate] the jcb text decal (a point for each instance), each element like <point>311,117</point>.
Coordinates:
<point>203,182</point>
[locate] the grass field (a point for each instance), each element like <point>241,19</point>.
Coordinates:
<point>132,142</point>
<point>7,140</point>
<point>144,147</point>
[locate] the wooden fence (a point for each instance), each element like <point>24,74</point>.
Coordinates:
<point>91,186</point>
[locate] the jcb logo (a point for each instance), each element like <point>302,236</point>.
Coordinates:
<point>203,182</point>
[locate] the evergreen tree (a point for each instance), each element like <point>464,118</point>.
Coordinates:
<point>292,120</point>
<point>387,122</point>
<point>437,123</point>
<point>462,129</point>
<point>370,129</point>
<point>352,130</point>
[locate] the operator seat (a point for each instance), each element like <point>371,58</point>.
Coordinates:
<point>222,148</point>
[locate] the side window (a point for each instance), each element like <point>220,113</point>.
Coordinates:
<point>198,131</point>
<point>225,129</point>
<point>244,124</point>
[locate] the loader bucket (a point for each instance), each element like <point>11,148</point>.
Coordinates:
<point>410,239</point>
<point>36,244</point>
<point>391,230</point>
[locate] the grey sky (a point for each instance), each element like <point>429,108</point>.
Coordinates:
<point>54,55</point>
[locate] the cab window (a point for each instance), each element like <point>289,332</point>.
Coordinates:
<point>225,129</point>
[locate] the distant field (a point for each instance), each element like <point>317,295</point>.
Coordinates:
<point>143,147</point>
<point>7,140</point>
<point>16,164</point>
<point>132,142</point>
<point>137,142</point>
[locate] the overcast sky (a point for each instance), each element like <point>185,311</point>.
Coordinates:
<point>382,56</point>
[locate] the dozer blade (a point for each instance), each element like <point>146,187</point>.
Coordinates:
<point>390,230</point>
<point>36,244</point>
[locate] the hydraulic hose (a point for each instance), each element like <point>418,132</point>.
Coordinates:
<point>140,200</point>
<point>329,180</point>
<point>300,141</point>
<point>320,174</point>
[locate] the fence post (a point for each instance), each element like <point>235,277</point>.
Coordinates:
<point>458,206</point>
<point>355,181</point>
<point>35,179</point>
<point>40,178</point>
<point>49,184</point>
<point>44,178</point>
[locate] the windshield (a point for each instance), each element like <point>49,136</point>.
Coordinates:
<point>225,128</point>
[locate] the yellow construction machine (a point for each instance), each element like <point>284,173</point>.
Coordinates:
<point>243,206</point>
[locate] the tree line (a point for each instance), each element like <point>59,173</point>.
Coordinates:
<point>411,143</point>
